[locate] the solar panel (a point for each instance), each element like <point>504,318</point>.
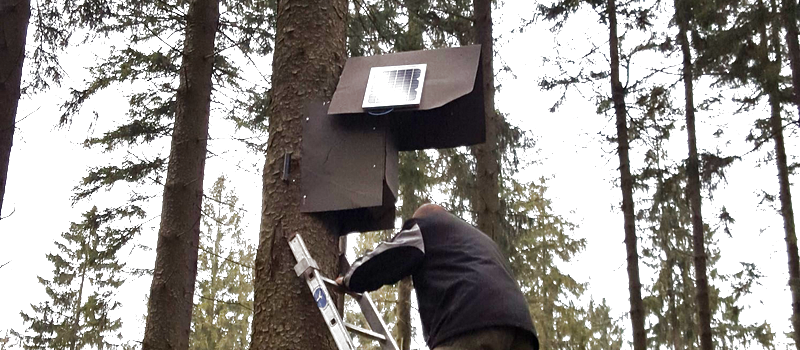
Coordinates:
<point>394,86</point>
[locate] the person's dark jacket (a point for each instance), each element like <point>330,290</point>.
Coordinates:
<point>461,279</point>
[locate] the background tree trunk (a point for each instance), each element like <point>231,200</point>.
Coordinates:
<point>789,17</point>
<point>682,13</point>
<point>14,16</point>
<point>626,184</point>
<point>172,291</point>
<point>404,313</point>
<point>776,126</point>
<point>486,200</point>
<point>413,179</point>
<point>309,56</point>
<point>788,217</point>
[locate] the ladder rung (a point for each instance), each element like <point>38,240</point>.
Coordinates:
<point>337,288</point>
<point>365,333</point>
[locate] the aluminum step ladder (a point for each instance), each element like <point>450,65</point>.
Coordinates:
<point>308,269</point>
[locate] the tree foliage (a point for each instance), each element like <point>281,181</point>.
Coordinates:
<point>224,306</point>
<point>81,310</point>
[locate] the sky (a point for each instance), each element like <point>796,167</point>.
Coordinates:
<point>47,162</point>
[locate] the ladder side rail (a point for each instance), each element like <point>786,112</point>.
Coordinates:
<point>328,309</point>
<point>375,321</point>
<point>309,270</point>
<point>365,333</point>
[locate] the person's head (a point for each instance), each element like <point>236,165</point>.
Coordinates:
<point>428,209</point>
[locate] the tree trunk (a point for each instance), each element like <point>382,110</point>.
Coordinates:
<point>682,14</point>
<point>172,291</point>
<point>14,16</point>
<point>788,217</point>
<point>486,199</point>
<point>675,332</point>
<point>626,184</point>
<point>76,311</point>
<point>789,17</point>
<point>404,313</point>
<point>412,180</point>
<point>309,56</point>
<point>776,124</point>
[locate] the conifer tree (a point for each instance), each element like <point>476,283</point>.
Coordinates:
<point>748,52</point>
<point>485,200</point>
<point>788,15</point>
<point>50,35</point>
<point>309,55</point>
<point>221,317</point>
<point>626,182</point>
<point>81,310</point>
<point>14,15</point>
<point>770,81</point>
<point>169,310</point>
<point>683,14</point>
<point>667,224</point>
<point>637,18</point>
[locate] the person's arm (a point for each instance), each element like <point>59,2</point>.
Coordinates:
<point>388,263</point>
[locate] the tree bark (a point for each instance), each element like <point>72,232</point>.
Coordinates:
<point>486,199</point>
<point>404,313</point>
<point>14,16</point>
<point>788,218</point>
<point>411,180</point>
<point>682,13</point>
<point>789,17</point>
<point>626,184</point>
<point>776,124</point>
<point>172,290</point>
<point>309,56</point>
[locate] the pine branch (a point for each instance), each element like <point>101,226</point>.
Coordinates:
<point>225,302</point>
<point>9,215</point>
<point>226,259</point>
<point>247,55</point>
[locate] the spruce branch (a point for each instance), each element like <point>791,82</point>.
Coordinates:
<point>225,302</point>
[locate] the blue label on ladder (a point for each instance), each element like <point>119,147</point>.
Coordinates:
<point>319,296</point>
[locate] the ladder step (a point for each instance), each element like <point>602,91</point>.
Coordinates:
<point>339,289</point>
<point>365,333</point>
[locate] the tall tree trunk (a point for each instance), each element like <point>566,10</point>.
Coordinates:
<point>675,332</point>
<point>486,198</point>
<point>404,313</point>
<point>626,184</point>
<point>309,56</point>
<point>776,124</point>
<point>14,16</point>
<point>789,18</point>
<point>169,309</point>
<point>76,311</point>
<point>682,13</point>
<point>411,181</point>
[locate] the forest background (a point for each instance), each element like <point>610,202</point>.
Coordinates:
<point>566,173</point>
